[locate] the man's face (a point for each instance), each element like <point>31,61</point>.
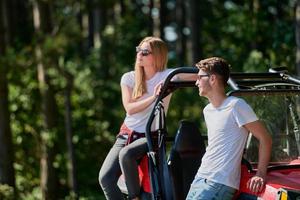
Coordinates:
<point>203,82</point>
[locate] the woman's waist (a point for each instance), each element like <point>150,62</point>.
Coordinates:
<point>132,135</point>
<point>138,125</point>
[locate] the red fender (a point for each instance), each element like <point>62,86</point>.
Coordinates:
<point>144,174</point>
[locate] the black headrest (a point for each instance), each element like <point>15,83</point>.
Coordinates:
<point>188,137</point>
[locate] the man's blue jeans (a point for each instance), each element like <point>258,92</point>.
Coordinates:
<point>208,190</point>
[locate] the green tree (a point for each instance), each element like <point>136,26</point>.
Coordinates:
<point>7,173</point>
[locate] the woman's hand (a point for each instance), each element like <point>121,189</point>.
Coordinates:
<point>133,106</point>
<point>157,89</point>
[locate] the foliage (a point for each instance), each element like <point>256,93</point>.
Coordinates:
<point>278,120</point>
<point>251,37</point>
<point>6,192</point>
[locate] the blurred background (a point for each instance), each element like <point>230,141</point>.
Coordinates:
<point>60,67</point>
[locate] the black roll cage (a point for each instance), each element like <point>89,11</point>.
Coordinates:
<point>277,80</point>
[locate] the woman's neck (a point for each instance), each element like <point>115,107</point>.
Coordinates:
<point>149,72</point>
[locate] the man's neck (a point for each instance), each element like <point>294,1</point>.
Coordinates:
<point>217,98</point>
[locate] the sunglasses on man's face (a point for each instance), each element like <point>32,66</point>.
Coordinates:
<point>200,76</point>
<point>145,52</point>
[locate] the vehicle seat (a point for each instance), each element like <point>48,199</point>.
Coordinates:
<point>185,157</point>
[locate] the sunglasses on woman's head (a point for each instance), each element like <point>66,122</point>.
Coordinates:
<point>145,52</point>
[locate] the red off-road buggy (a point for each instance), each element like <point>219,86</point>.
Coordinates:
<point>274,96</point>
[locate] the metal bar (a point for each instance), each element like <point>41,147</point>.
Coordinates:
<point>233,84</point>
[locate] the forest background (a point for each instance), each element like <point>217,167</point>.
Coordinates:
<point>60,67</point>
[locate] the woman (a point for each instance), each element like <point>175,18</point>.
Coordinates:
<point>139,91</point>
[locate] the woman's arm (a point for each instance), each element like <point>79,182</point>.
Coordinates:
<point>133,106</point>
<point>185,77</point>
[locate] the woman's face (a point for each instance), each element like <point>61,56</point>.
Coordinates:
<point>144,56</point>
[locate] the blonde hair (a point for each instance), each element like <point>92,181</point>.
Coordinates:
<point>159,51</point>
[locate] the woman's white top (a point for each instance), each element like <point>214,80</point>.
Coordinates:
<point>138,121</point>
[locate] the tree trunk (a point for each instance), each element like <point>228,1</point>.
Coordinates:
<point>151,30</point>
<point>162,17</point>
<point>122,7</point>
<point>7,173</point>
<point>100,18</point>
<point>156,18</point>
<point>90,24</point>
<point>181,40</point>
<point>96,12</point>
<point>298,36</point>
<point>69,136</point>
<point>103,20</point>
<point>254,7</point>
<point>196,26</point>
<point>49,108</point>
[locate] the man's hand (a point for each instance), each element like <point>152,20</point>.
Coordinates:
<point>256,184</point>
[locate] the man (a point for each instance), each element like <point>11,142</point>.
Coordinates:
<point>228,121</point>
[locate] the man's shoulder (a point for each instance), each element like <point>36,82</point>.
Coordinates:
<point>240,104</point>
<point>236,101</point>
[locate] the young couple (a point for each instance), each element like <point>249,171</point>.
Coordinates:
<point>228,121</point>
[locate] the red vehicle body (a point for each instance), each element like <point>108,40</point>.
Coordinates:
<point>274,96</point>
<point>280,110</point>
<point>282,183</point>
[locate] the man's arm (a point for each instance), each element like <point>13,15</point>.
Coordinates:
<point>258,130</point>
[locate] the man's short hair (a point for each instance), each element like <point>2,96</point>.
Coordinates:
<point>215,65</point>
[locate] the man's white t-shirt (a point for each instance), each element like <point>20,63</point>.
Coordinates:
<point>226,140</point>
<point>138,121</point>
